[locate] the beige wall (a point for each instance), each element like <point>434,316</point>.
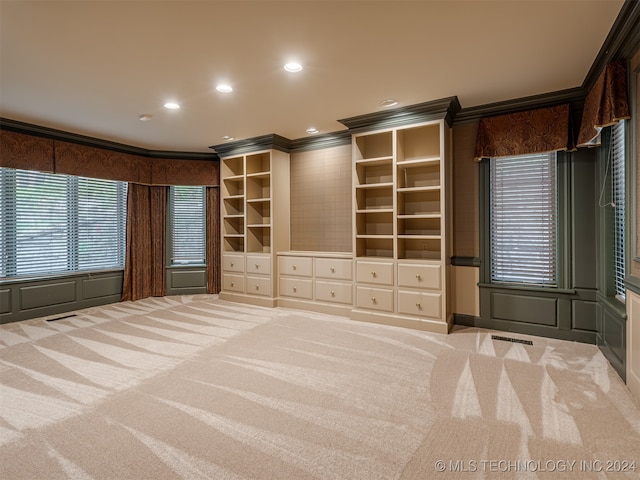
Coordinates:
<point>465,192</point>
<point>465,184</point>
<point>321,200</point>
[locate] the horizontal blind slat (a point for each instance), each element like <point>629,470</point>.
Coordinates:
<point>523,219</point>
<point>55,223</point>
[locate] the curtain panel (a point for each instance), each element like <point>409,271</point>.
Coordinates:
<point>213,240</point>
<point>606,104</point>
<point>533,131</point>
<point>144,270</point>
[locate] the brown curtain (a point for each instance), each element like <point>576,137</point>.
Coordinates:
<point>144,270</point>
<point>213,240</point>
<point>533,131</point>
<point>606,104</point>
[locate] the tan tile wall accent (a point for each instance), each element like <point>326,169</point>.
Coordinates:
<point>321,200</point>
<point>465,192</point>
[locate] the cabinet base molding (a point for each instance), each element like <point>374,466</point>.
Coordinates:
<point>249,299</point>
<point>314,306</point>
<point>426,324</point>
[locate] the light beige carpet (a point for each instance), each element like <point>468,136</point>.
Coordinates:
<point>197,388</point>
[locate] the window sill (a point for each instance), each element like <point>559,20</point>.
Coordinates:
<point>529,288</point>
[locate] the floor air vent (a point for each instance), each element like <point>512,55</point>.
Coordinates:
<point>509,339</point>
<point>60,318</point>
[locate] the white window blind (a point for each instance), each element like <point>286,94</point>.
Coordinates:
<point>187,209</point>
<point>618,189</point>
<point>59,223</point>
<point>523,219</point>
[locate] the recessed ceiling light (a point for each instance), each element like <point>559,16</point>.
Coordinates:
<point>227,138</point>
<point>312,131</point>
<point>389,102</point>
<point>224,88</point>
<point>293,67</point>
<point>172,106</point>
<point>145,117</point>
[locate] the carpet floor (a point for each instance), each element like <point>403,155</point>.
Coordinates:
<point>193,387</point>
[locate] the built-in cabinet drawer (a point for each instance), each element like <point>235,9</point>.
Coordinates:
<point>259,264</point>
<point>336,268</point>
<point>259,285</point>
<point>233,263</point>
<point>374,298</point>
<point>334,292</point>
<point>233,283</point>
<point>378,273</point>
<point>419,276</point>
<point>298,266</point>
<point>296,287</point>
<point>422,304</point>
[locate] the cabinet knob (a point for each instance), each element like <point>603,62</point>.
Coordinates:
<point>418,276</point>
<point>233,283</point>
<point>332,269</point>
<point>373,299</point>
<point>231,264</point>
<point>294,289</point>
<point>257,287</point>
<point>257,266</point>
<point>373,274</point>
<point>294,267</point>
<point>333,294</point>
<point>419,306</point>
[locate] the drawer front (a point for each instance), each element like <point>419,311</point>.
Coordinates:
<point>233,283</point>
<point>259,264</point>
<point>378,273</point>
<point>299,266</point>
<point>233,263</point>
<point>419,276</point>
<point>259,285</point>
<point>334,292</point>
<point>296,287</point>
<point>374,298</point>
<point>338,268</point>
<point>421,304</point>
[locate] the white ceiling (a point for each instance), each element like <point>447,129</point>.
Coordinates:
<point>92,67</point>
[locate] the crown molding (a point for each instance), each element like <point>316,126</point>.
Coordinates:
<point>575,96</point>
<point>445,108</point>
<point>61,135</point>
<point>253,144</point>
<point>317,142</point>
<point>622,41</point>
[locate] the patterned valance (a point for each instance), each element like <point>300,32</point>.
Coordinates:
<point>30,152</point>
<point>26,152</point>
<point>84,161</point>
<point>534,131</point>
<point>606,104</point>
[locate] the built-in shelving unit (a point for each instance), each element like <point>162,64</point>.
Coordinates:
<point>399,182</point>
<point>255,224</point>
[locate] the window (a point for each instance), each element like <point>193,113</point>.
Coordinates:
<point>523,220</point>
<point>187,211</point>
<point>618,203</point>
<point>58,223</point>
